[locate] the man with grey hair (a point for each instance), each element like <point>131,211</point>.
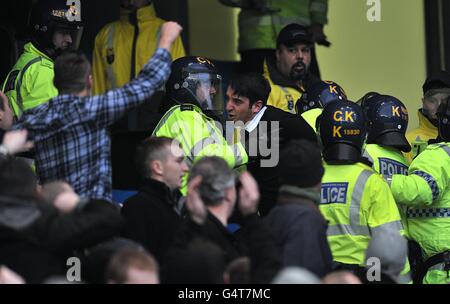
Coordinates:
<point>153,214</point>
<point>211,199</point>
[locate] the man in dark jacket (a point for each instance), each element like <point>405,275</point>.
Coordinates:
<point>152,215</point>
<point>296,221</point>
<point>36,239</point>
<point>264,130</point>
<point>211,200</point>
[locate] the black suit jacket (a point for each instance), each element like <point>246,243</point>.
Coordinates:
<point>151,218</point>
<point>274,130</point>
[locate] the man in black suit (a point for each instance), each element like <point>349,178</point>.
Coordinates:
<point>263,130</point>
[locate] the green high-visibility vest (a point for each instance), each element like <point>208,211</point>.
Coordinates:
<point>357,202</point>
<point>426,193</point>
<point>311,116</point>
<point>260,31</point>
<point>199,136</point>
<point>386,161</point>
<point>30,82</point>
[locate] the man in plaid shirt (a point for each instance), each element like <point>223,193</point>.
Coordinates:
<point>70,132</point>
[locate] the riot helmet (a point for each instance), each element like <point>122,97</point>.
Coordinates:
<point>195,80</point>
<point>56,25</point>
<point>342,131</point>
<point>387,121</point>
<point>320,94</point>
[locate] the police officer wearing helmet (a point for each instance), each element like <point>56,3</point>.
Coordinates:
<point>55,26</point>
<point>194,91</point>
<point>317,97</point>
<point>355,200</point>
<point>425,192</point>
<point>387,120</point>
<point>195,80</point>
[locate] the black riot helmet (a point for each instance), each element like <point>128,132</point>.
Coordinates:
<point>387,121</point>
<point>443,114</point>
<point>342,130</point>
<point>320,94</point>
<point>370,96</point>
<point>195,80</point>
<point>49,17</point>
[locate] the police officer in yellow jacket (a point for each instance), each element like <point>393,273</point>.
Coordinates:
<point>436,89</point>
<point>194,89</point>
<point>124,46</point>
<point>317,96</point>
<point>55,26</point>
<point>288,73</point>
<point>355,200</point>
<point>425,191</point>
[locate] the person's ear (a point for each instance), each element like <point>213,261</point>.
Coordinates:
<point>257,106</point>
<point>277,54</point>
<point>230,198</point>
<point>39,192</point>
<point>156,167</point>
<point>90,82</point>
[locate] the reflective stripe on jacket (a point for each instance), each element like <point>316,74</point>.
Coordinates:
<point>199,136</point>
<point>259,31</point>
<point>114,44</point>
<point>30,82</point>
<point>418,137</point>
<point>357,203</point>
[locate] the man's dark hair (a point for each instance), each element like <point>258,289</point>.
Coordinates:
<point>437,80</point>
<point>72,70</point>
<point>300,164</point>
<point>17,179</point>
<point>200,261</point>
<point>151,149</point>
<point>254,86</point>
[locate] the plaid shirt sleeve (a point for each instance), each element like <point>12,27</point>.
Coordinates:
<point>107,108</point>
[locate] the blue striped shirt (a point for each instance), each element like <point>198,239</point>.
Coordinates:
<point>71,136</point>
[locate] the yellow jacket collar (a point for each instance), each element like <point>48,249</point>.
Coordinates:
<point>424,123</point>
<point>276,78</point>
<point>145,13</point>
<point>29,47</point>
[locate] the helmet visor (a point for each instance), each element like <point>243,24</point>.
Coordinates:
<point>67,38</point>
<point>208,91</point>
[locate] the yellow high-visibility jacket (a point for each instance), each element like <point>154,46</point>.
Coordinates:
<point>112,58</point>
